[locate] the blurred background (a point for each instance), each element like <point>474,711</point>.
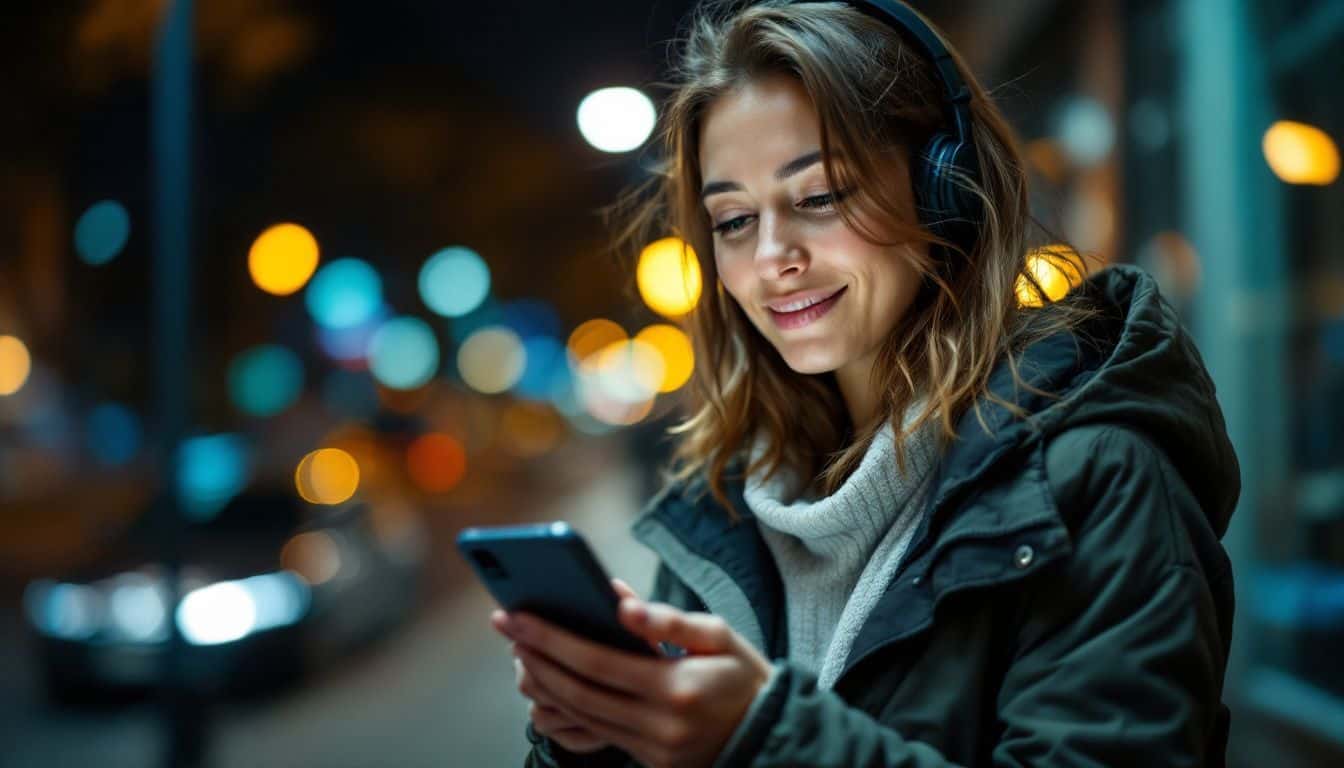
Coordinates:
<point>291,292</point>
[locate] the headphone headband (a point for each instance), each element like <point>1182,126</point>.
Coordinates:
<point>950,209</point>
<point>914,29</point>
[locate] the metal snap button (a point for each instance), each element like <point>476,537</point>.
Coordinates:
<point>1023,556</point>
<point>916,581</point>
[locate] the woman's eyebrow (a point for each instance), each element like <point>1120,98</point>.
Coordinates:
<point>785,171</point>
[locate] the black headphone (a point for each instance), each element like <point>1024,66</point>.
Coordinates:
<point>945,209</point>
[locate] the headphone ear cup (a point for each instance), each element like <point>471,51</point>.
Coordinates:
<point>947,209</point>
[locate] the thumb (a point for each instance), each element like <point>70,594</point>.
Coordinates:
<point>695,631</point>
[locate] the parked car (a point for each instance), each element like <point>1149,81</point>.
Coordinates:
<point>270,588</point>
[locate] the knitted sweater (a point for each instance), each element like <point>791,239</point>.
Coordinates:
<point>836,554</point>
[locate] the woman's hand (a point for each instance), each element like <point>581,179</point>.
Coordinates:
<point>548,718</point>
<point>661,711</point>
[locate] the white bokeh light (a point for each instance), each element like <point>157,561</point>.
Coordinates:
<point>219,613</point>
<point>616,119</point>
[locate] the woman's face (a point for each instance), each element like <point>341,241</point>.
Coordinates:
<point>822,295</point>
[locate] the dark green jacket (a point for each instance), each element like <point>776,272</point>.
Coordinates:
<point>1066,600</point>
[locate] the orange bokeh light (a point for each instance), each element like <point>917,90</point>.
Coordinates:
<point>436,462</point>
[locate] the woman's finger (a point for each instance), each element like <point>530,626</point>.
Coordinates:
<point>561,728</point>
<point>550,720</point>
<point>623,589</point>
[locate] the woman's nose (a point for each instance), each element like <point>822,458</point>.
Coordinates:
<point>778,252</point>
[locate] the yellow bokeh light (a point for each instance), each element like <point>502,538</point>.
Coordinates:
<point>1056,274</point>
<point>15,365</point>
<point>592,337</point>
<point>282,259</point>
<point>669,277</point>
<point>327,476</point>
<point>675,348</point>
<point>1299,153</point>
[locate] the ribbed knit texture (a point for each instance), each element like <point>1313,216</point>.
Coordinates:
<point>837,554</point>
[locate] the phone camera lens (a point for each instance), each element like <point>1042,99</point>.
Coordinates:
<point>489,565</point>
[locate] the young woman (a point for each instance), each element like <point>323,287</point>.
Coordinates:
<point>918,518</point>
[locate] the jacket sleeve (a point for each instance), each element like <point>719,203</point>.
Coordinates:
<point>546,753</point>
<point>1118,657</point>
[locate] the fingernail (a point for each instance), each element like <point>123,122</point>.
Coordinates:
<point>638,612</point>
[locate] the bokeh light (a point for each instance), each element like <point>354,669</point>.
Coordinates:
<point>593,337</point>
<point>1173,261</point>
<point>114,434</point>
<point>1055,273</point>
<point>403,353</point>
<point>265,380</point>
<point>101,232</point>
<point>674,346</point>
<point>530,318</point>
<point>616,119</point>
<point>345,293</point>
<point>219,613</point>
<point>618,384</point>
<point>546,368</point>
<point>212,469</point>
<point>491,360</point>
<point>436,462</point>
<point>1086,130</point>
<point>138,607</point>
<point>349,347</point>
<point>327,476</point>
<point>15,365</point>
<point>530,429</point>
<point>282,259</point>
<point>313,555</point>
<point>1299,153</point>
<point>668,276</point>
<point>454,281</point>
<point>630,371</point>
<point>69,611</point>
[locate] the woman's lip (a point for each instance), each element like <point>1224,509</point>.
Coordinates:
<point>790,320</point>
<point>777,305</point>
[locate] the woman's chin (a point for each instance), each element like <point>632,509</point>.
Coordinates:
<point>811,363</point>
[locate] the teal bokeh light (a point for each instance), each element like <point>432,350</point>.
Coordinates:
<point>101,232</point>
<point>344,294</point>
<point>212,470</point>
<point>114,434</point>
<point>403,354</point>
<point>454,281</point>
<point>265,380</point>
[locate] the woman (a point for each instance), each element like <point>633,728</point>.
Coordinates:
<point>916,518</point>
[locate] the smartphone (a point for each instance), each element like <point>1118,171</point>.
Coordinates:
<point>549,570</point>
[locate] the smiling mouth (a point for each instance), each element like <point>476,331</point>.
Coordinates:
<point>806,315</point>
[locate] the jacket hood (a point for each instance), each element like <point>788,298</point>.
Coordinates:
<point>1134,366</point>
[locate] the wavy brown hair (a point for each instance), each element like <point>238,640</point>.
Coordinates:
<point>875,95</point>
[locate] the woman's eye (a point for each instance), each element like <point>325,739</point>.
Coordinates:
<point>821,201</point>
<point>731,225</point>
